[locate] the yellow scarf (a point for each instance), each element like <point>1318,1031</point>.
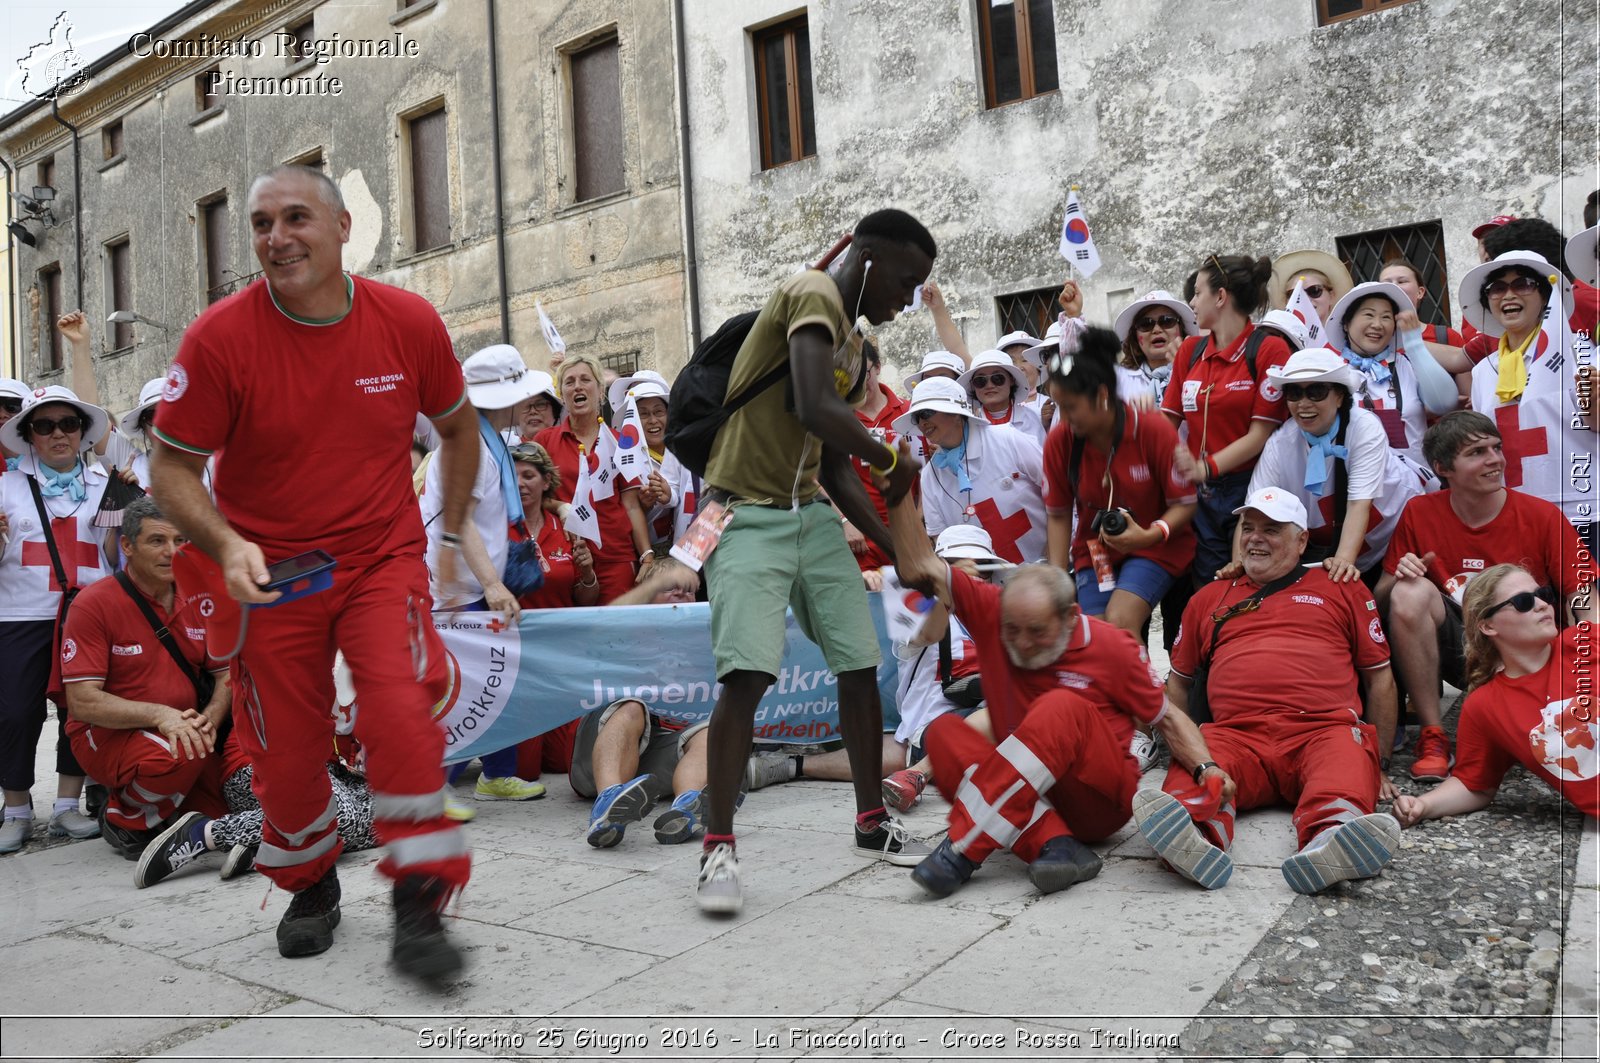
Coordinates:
<point>1513,380</point>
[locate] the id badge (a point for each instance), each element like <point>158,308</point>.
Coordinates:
<point>704,533</point>
<point>1191,396</point>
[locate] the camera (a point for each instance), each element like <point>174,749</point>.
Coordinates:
<point>1109,522</point>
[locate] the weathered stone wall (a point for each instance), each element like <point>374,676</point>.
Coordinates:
<point>1191,126</point>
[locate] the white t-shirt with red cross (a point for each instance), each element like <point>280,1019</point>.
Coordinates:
<point>1006,470</point>
<point>920,696</point>
<point>28,586</point>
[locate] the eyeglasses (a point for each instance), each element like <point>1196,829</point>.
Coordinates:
<point>998,380</point>
<point>1150,324</point>
<point>1522,284</point>
<point>1314,392</point>
<point>922,416</point>
<point>11,405</point>
<point>1522,602</point>
<point>44,426</point>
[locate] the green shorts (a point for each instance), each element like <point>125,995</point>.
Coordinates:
<point>771,559</point>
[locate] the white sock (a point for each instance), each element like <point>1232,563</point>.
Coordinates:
<point>64,804</point>
<point>19,812</point>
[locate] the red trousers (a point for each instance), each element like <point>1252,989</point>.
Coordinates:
<point>283,699</point>
<point>146,780</point>
<point>1061,772</point>
<point>1327,769</point>
<point>551,751</point>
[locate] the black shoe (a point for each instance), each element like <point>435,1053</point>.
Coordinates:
<point>1063,861</point>
<point>306,929</point>
<point>943,871</point>
<point>130,843</point>
<point>240,859</point>
<point>420,946</point>
<point>172,850</point>
<point>94,799</point>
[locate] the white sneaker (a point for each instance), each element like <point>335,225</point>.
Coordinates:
<point>1357,848</point>
<point>767,769</point>
<point>718,888</point>
<point>1144,749</point>
<point>15,832</point>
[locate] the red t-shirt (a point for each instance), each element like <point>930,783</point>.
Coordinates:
<point>1143,481</point>
<point>1218,398</point>
<point>561,573</point>
<point>893,407</point>
<point>1544,721</point>
<point>314,422</point>
<point>1528,531</point>
<point>108,639</point>
<point>1442,334</point>
<point>616,530</point>
<point>1308,638</point>
<point>1102,663</point>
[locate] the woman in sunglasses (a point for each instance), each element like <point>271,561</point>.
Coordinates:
<point>1530,701</point>
<point>1335,457</point>
<point>997,388</point>
<point>13,393</point>
<point>1325,278</point>
<point>47,506</point>
<point>1151,330</point>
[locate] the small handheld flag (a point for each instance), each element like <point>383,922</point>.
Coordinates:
<point>1077,242</point>
<point>633,456</point>
<point>904,610</point>
<point>604,477</point>
<point>1301,306</point>
<point>582,519</point>
<point>552,338</point>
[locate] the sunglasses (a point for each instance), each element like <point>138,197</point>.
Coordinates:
<point>1314,291</point>
<point>922,416</point>
<point>1522,285</point>
<point>11,405</point>
<point>1314,392</point>
<point>1522,602</point>
<point>1150,324</point>
<point>998,380</point>
<point>44,426</point>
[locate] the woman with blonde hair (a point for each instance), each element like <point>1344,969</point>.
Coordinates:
<point>1530,701</point>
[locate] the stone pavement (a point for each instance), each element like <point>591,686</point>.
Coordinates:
<point>1481,931</point>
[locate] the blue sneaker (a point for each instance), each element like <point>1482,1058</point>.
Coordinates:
<point>615,808</point>
<point>681,822</point>
<point>943,871</point>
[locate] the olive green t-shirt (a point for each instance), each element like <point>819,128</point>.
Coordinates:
<point>763,452</point>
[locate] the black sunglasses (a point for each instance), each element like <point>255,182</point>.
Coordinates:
<point>11,405</point>
<point>922,415</point>
<point>997,380</point>
<point>1315,392</point>
<point>1522,601</point>
<point>1150,324</point>
<point>44,426</point>
<point>1315,291</point>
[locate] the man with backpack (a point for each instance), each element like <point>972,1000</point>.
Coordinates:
<point>792,431</point>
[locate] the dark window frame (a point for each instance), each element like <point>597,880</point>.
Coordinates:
<point>1031,311</point>
<point>296,41</point>
<point>52,352</point>
<point>119,290</point>
<point>799,98</point>
<point>46,172</point>
<point>216,259</point>
<point>429,190</point>
<point>111,141</point>
<point>315,159</point>
<point>1421,243</point>
<point>1366,7</point>
<point>1027,74</point>
<point>599,155</point>
<point>205,96</point>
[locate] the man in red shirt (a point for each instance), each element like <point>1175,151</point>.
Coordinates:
<point>1299,737</point>
<point>1063,690</point>
<point>136,721</point>
<point>876,413</point>
<point>336,367</point>
<point>1445,538</point>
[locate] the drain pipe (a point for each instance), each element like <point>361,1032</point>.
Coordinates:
<point>499,191</point>
<point>77,202</point>
<point>15,337</point>
<point>691,269</point>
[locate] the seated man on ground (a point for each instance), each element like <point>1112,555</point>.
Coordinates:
<point>1277,653</point>
<point>1445,538</point>
<point>137,724</point>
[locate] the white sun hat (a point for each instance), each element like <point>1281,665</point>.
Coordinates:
<point>1160,297</point>
<point>966,540</point>
<point>1470,294</point>
<point>1580,256</point>
<point>934,360</point>
<point>1311,365</point>
<point>497,377</point>
<point>941,396</point>
<point>994,360</point>
<point>645,384</point>
<point>1333,328</point>
<point>99,419</point>
<point>1285,322</point>
<point>149,398</point>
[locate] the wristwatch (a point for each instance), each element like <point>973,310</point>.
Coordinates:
<point>1200,769</point>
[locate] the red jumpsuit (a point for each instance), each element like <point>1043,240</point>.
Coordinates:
<point>313,422</point>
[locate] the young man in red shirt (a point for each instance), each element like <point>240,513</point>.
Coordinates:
<point>1299,737</point>
<point>337,367</point>
<point>1445,538</point>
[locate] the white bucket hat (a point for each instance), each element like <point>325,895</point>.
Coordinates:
<point>149,398</point>
<point>994,360</point>
<point>934,360</point>
<point>966,540</point>
<point>1280,505</point>
<point>497,377</point>
<point>941,396</point>
<point>14,389</point>
<point>1291,264</point>
<point>99,420</point>
<point>1471,291</point>
<point>1310,366</point>
<point>1580,256</point>
<point>1286,323</point>
<point>645,384</point>
<point>1025,340</point>
<point>1160,297</point>
<point>1333,328</point>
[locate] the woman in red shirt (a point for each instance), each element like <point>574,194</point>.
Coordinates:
<point>1530,702</point>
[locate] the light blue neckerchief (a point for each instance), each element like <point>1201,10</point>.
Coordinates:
<point>955,460</point>
<point>1375,368</point>
<point>1322,448</point>
<point>53,484</point>
<point>508,470</point>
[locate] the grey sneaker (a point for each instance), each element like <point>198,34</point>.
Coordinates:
<point>14,833</point>
<point>1167,826</point>
<point>718,890</point>
<point>240,858</point>
<point>767,769</point>
<point>73,824</point>
<point>891,842</point>
<point>1358,848</point>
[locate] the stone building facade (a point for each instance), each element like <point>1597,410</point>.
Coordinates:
<point>171,129</point>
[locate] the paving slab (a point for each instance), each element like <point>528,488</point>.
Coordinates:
<point>303,1029</point>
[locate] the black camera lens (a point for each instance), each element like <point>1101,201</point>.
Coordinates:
<point>1115,522</point>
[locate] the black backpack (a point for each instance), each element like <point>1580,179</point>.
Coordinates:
<point>699,406</point>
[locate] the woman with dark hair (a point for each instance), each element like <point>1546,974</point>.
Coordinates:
<point>1530,701</point>
<point>1151,329</point>
<point>1219,394</point>
<point>997,389</point>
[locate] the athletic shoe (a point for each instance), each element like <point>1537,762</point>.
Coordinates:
<point>943,871</point>
<point>240,859</point>
<point>172,850</point>
<point>1358,848</point>
<point>457,810</point>
<point>903,789</point>
<point>1169,829</point>
<point>891,842</point>
<point>718,889</point>
<point>615,808</point>
<point>509,788</point>
<point>71,823</point>
<point>130,843</point>
<point>306,928</point>
<point>1434,759</point>
<point>15,832</point>
<point>94,799</point>
<point>682,822</point>
<point>767,769</point>
<point>1063,861</point>
<point>421,948</point>
<point>1144,749</point>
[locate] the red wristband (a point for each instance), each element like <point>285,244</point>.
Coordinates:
<point>1211,467</point>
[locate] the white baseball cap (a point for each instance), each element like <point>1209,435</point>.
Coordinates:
<point>497,377</point>
<point>1277,504</point>
<point>966,540</point>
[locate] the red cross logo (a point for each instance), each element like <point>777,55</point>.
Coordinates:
<point>1519,443</point>
<point>496,625</point>
<point>1004,531</point>
<point>76,557</point>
